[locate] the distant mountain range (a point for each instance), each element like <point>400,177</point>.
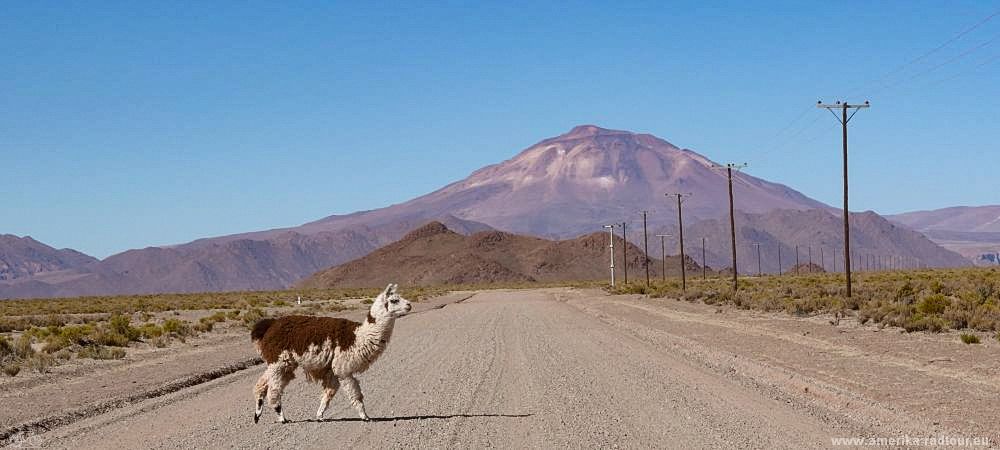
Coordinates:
<point>972,231</point>
<point>559,188</point>
<point>433,254</point>
<point>24,257</point>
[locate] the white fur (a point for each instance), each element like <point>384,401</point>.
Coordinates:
<point>334,367</point>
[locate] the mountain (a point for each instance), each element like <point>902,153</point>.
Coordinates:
<point>568,185</point>
<point>433,254</point>
<point>972,231</point>
<point>559,188</point>
<point>229,264</point>
<point>957,218</point>
<point>24,257</point>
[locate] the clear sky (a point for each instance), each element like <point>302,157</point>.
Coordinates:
<point>129,124</point>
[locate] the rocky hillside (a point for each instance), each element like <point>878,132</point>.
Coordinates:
<point>433,254</point>
<point>24,257</point>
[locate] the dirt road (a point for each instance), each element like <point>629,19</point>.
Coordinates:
<point>550,368</point>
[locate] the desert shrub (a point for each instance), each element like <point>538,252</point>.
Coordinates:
<point>6,348</point>
<point>812,305</point>
<point>312,308</point>
<point>905,293</point>
<point>920,322</point>
<point>985,317</point>
<point>233,315</point>
<point>8,324</point>
<point>11,369</point>
<point>150,330</point>
<point>176,327</point>
<point>969,338</point>
<point>985,291</point>
<point>22,347</point>
<point>160,341</point>
<point>102,352</point>
<point>62,337</point>
<point>280,303</point>
<point>933,304</point>
<point>121,324</point>
<point>206,324</point>
<point>39,362</point>
<point>337,306</point>
<point>107,337</point>
<point>251,316</point>
<point>962,309</point>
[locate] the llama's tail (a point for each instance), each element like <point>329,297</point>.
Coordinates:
<point>259,328</point>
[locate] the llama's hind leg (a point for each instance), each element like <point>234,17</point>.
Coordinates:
<point>353,390</point>
<point>260,391</point>
<point>280,375</point>
<point>330,385</point>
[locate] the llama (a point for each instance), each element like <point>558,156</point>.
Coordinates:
<point>329,350</point>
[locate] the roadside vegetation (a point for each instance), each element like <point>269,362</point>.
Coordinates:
<point>915,300</point>
<point>37,334</point>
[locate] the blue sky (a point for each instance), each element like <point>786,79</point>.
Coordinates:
<point>125,124</point>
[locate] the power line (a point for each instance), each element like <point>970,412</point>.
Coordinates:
<point>984,63</point>
<point>939,65</point>
<point>930,52</point>
<point>773,144</point>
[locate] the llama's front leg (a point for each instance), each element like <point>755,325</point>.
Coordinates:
<point>353,390</point>
<point>279,377</point>
<point>330,385</point>
<point>259,392</point>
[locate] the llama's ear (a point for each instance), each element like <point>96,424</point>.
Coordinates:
<point>388,290</point>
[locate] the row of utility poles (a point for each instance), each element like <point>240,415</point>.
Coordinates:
<point>867,262</point>
<point>844,118</point>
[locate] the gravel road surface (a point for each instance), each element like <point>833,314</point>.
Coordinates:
<point>509,369</point>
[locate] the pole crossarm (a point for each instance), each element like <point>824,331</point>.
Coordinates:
<point>831,106</point>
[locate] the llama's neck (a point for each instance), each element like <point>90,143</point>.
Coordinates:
<point>373,335</point>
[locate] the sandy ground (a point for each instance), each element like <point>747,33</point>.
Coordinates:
<point>555,368</point>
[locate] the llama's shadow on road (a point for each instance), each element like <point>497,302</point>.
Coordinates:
<point>404,418</point>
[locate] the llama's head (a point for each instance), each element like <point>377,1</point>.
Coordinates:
<point>389,304</point>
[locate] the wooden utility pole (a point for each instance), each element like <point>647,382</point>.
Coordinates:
<point>625,252</point>
<point>680,227</point>
<point>822,259</point>
<point>645,247</point>
<point>810,259</point>
<point>611,233</point>
<point>844,119</point>
<point>759,273</point>
<point>796,259</point>
<point>704,268</point>
<point>732,220</point>
<point>779,258</point>
<point>663,254</point>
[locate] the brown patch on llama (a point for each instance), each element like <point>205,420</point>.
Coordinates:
<point>298,333</point>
